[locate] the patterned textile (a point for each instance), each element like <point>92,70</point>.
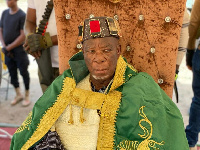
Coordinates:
<point>136,114</point>
<point>50,141</point>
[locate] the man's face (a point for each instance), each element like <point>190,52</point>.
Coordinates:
<point>11,3</point>
<point>101,55</point>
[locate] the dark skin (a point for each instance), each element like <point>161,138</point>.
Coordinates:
<point>101,55</point>
<point>30,27</point>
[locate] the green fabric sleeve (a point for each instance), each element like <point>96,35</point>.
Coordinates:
<point>44,102</point>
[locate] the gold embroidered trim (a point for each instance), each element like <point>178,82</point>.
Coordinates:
<point>131,67</point>
<point>147,143</point>
<point>56,110</point>
<point>110,107</point>
<point>107,120</point>
<point>128,145</point>
<point>25,124</point>
<point>119,77</point>
<point>86,99</point>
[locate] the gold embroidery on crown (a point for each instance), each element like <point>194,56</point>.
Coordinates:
<point>25,124</point>
<point>147,143</point>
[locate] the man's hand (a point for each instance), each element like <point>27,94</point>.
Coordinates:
<point>189,56</point>
<point>8,47</point>
<point>7,53</point>
<point>27,49</point>
<point>35,43</point>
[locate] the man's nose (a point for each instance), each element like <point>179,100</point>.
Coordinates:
<point>99,57</point>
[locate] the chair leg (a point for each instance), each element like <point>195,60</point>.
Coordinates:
<point>7,89</point>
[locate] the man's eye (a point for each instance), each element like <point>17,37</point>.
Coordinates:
<point>91,51</point>
<point>107,50</point>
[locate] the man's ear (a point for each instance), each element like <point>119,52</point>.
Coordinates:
<point>119,49</point>
<point>83,48</point>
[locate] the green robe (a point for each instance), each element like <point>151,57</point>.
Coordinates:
<point>136,113</point>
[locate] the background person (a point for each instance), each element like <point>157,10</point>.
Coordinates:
<point>193,63</point>
<point>0,69</point>
<point>12,37</point>
<point>35,11</point>
<point>182,48</point>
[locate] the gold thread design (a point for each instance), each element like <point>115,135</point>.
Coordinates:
<point>94,99</point>
<point>128,145</point>
<point>109,109</point>
<point>75,96</point>
<point>147,143</point>
<point>25,124</point>
<point>107,121</point>
<point>47,121</point>
<point>130,75</point>
<point>119,77</point>
<point>131,67</point>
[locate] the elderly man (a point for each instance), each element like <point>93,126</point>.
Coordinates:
<point>101,102</point>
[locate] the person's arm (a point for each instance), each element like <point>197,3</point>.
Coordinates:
<point>194,24</point>
<point>29,28</point>
<point>193,29</point>
<point>54,40</point>
<point>3,49</point>
<point>30,22</point>
<point>1,30</point>
<point>1,37</point>
<point>18,41</point>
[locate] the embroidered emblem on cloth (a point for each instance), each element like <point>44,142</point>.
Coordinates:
<point>25,124</point>
<point>147,144</point>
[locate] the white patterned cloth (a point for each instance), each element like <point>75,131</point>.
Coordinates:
<point>79,136</point>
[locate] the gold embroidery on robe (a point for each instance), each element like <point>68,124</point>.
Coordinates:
<point>25,124</point>
<point>147,143</point>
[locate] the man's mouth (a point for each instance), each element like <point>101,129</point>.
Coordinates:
<point>99,71</point>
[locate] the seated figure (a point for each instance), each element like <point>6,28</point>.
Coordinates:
<point>102,103</point>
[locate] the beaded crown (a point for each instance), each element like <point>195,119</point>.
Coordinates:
<point>98,27</point>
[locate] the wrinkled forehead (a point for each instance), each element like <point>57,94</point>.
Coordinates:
<point>101,42</point>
